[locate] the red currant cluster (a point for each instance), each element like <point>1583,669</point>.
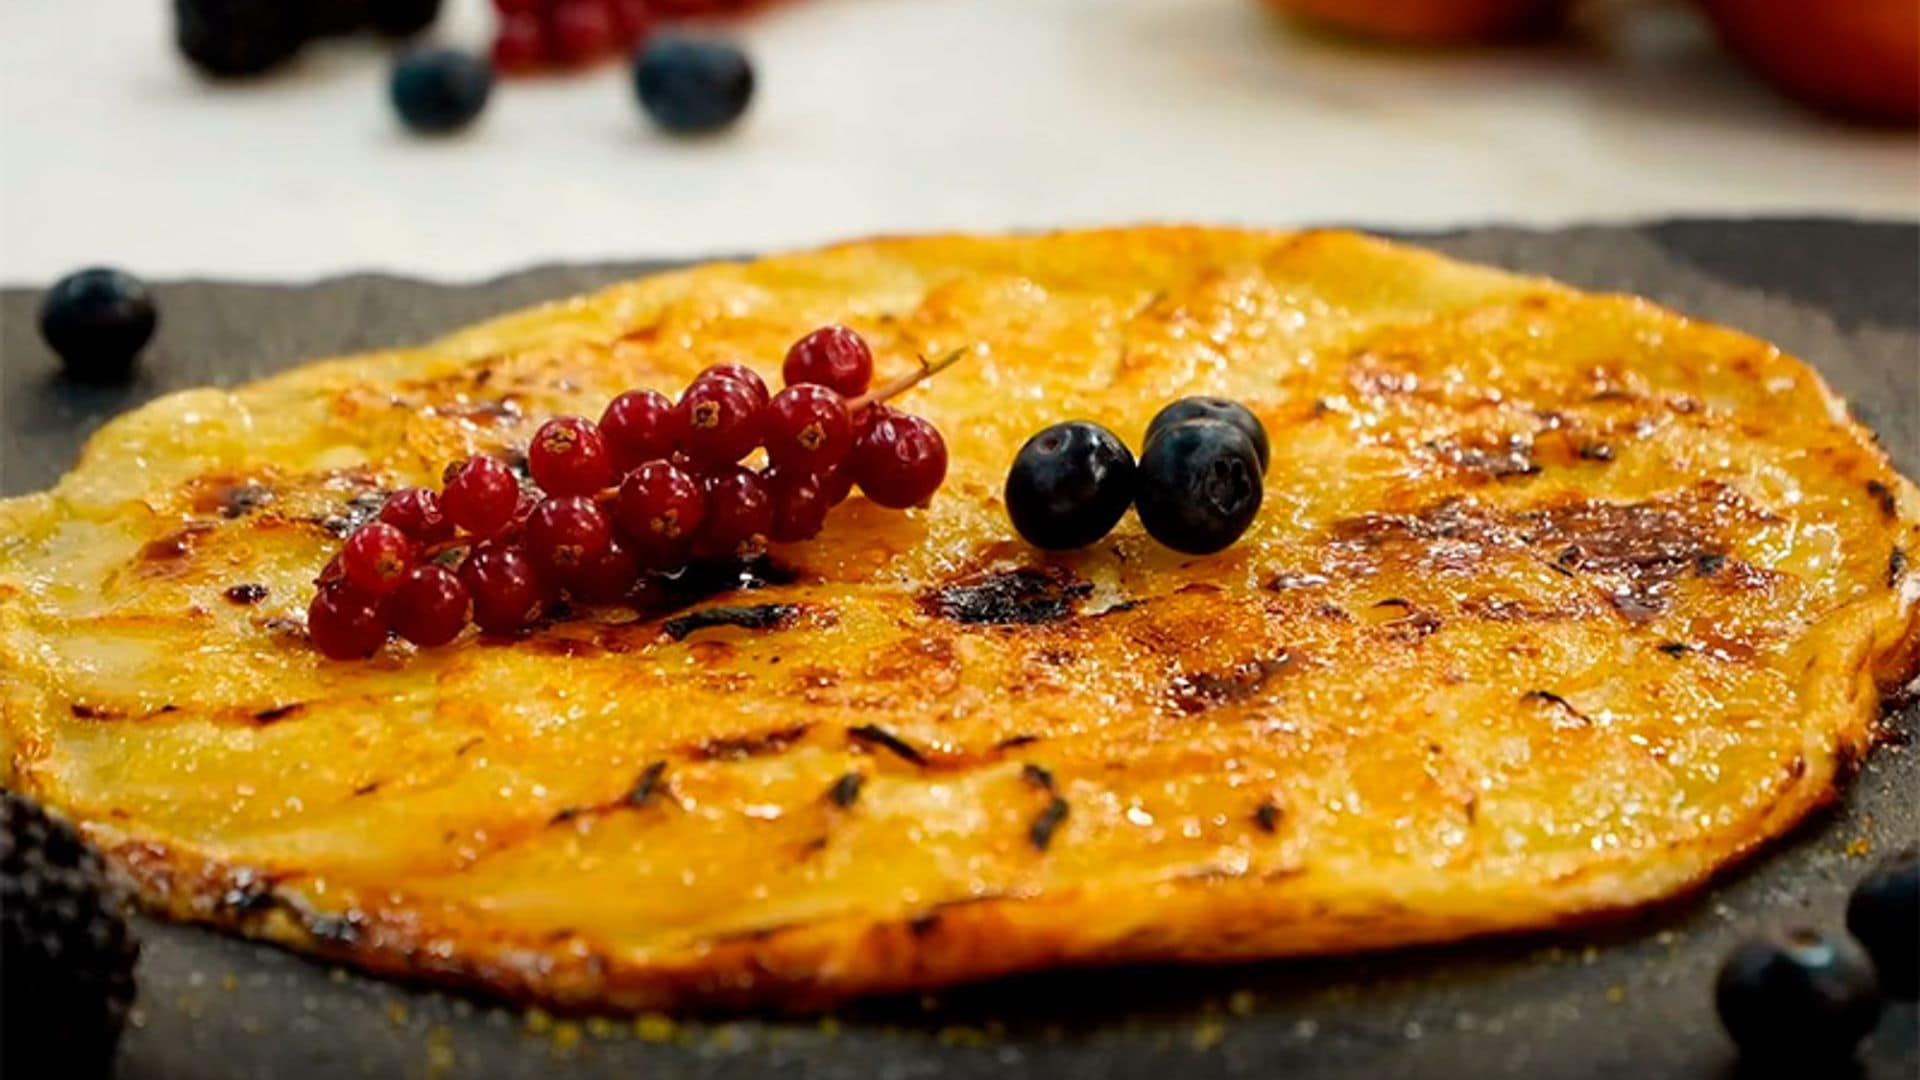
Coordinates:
<point>652,487</point>
<point>535,35</point>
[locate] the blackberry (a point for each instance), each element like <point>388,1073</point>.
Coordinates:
<point>66,957</point>
<point>328,18</point>
<point>403,18</point>
<point>237,37</point>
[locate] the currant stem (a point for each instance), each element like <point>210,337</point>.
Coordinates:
<point>928,369</point>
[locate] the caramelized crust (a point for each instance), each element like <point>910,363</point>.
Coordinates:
<point>1557,604</point>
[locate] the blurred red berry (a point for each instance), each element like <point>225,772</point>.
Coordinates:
<point>583,30</point>
<point>520,43</point>
<point>634,19</point>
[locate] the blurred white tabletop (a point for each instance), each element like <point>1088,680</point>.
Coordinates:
<point>889,116</point>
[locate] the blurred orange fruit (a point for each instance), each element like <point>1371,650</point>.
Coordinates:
<point>1858,58</point>
<point>1430,21</point>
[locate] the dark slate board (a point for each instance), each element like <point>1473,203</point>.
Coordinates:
<point>1630,999</point>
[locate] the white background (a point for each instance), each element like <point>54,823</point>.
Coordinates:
<point>890,115</point>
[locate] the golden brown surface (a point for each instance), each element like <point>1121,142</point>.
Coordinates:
<point>1557,603</point>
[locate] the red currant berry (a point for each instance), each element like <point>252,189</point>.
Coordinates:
<point>807,428</point>
<point>507,594</point>
<point>800,504</point>
<point>376,557</point>
<point>416,512</point>
<point>345,623</point>
<point>430,607</point>
<point>565,533</point>
<point>661,508</point>
<point>866,417</point>
<point>583,30</point>
<point>640,426</point>
<point>723,421</point>
<point>607,579</point>
<point>739,373</point>
<point>520,43</point>
<point>837,483</point>
<point>739,514</point>
<point>900,461</point>
<point>481,495</point>
<point>330,572</point>
<point>568,456</point>
<point>832,356</point>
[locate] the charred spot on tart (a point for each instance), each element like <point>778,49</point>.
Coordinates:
<point>1047,822</point>
<point>875,736</point>
<point>1197,692</point>
<point>747,617</point>
<point>356,510</point>
<point>1883,495</point>
<point>1488,457</point>
<point>274,713</point>
<point>846,790</point>
<point>648,785</point>
<point>498,411</point>
<point>1896,567</point>
<point>176,544</point>
<point>1266,816</point>
<point>245,593</point>
<point>1633,551</point>
<point>1554,701</point>
<point>1024,596</point>
<point>753,744</point>
<point>1037,776</point>
<point>228,497</point>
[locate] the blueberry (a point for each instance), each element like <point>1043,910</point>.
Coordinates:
<point>1797,995</point>
<point>237,37</point>
<point>1212,408</point>
<point>1884,915</point>
<point>1199,486</point>
<point>693,86</point>
<point>440,90</point>
<point>1070,485</point>
<point>98,320</point>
